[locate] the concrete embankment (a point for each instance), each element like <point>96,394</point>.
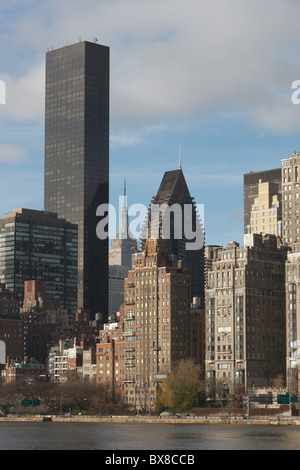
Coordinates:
<point>274,420</point>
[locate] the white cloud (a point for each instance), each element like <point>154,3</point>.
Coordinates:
<point>171,59</point>
<point>25,96</point>
<point>12,154</point>
<point>277,115</point>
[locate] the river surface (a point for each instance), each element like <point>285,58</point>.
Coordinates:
<point>121,436</point>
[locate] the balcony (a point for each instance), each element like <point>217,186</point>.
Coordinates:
<point>127,333</point>
<point>160,377</point>
<point>129,381</point>
<point>130,357</point>
<point>130,317</point>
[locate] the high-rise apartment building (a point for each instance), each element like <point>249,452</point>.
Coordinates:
<point>291,237</point>
<point>37,245</point>
<point>251,184</point>
<point>290,201</point>
<point>77,157</point>
<point>245,313</point>
<point>181,219</point>
<point>156,315</point>
<point>292,322</point>
<point>266,214</point>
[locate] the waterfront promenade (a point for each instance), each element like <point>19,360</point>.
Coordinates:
<point>263,420</point>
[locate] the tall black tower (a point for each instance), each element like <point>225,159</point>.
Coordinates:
<point>77,157</point>
<point>174,193</point>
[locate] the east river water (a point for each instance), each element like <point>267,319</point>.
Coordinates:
<point>123,436</point>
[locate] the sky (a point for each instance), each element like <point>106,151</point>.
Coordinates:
<point>214,78</point>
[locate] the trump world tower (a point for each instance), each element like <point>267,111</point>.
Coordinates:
<point>77,157</point>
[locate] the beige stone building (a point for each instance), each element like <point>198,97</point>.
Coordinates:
<point>251,181</point>
<point>245,313</point>
<point>156,315</point>
<point>265,214</point>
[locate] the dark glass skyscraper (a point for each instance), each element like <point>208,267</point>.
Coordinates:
<point>77,157</point>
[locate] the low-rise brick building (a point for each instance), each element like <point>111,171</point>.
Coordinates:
<point>110,356</point>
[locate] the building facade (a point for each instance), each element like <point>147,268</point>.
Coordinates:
<point>110,357</point>
<point>291,237</point>
<point>89,365</point>
<point>197,335</point>
<point>77,157</point>
<point>178,214</point>
<point>266,213</point>
<point>42,319</point>
<point>26,370</point>
<point>245,314</point>
<point>290,201</point>
<point>123,247</point>
<point>117,275</point>
<point>37,245</point>
<point>293,322</point>
<point>251,183</point>
<point>12,335</point>
<point>156,315</point>
<point>11,325</point>
<point>63,358</point>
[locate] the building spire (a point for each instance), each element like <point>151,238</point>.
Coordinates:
<point>180,157</point>
<point>124,217</point>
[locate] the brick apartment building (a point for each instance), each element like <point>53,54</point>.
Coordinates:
<point>156,316</point>
<point>245,313</point>
<point>110,356</point>
<point>29,371</point>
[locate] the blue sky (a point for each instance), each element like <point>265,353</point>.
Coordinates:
<point>213,77</point>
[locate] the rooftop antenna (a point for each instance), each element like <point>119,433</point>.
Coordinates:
<point>180,157</point>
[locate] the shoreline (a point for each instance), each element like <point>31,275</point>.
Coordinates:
<point>270,420</point>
